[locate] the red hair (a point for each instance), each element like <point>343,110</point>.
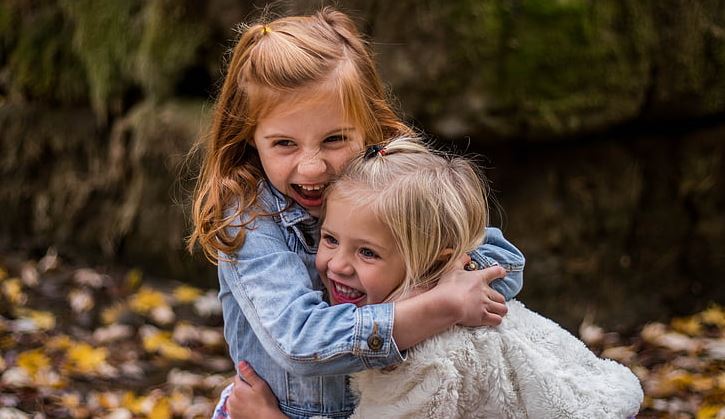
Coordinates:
<point>273,60</point>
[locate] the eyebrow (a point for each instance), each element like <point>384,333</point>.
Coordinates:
<point>334,131</point>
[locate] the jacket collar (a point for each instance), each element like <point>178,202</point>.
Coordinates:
<point>278,202</point>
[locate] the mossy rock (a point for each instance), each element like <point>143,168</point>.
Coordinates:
<point>40,64</point>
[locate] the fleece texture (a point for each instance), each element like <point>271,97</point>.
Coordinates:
<point>528,367</point>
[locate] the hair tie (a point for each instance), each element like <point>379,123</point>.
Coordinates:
<point>374,150</point>
<point>266,29</point>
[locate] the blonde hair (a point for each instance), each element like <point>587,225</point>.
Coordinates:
<point>433,204</point>
<point>284,57</point>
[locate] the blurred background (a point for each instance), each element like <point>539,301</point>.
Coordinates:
<point>601,125</point>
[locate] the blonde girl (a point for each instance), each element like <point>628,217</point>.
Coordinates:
<point>301,97</point>
<point>406,211</point>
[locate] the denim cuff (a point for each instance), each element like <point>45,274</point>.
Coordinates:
<point>374,336</point>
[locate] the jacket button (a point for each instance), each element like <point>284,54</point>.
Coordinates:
<point>471,266</point>
<point>375,342</point>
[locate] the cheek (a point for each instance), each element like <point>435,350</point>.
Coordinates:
<point>343,157</point>
<point>321,259</point>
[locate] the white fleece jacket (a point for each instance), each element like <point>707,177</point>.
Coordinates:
<point>528,367</point>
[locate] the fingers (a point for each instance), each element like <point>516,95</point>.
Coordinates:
<point>249,376</point>
<point>493,273</point>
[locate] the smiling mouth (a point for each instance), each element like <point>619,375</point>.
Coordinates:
<point>344,294</point>
<point>311,192</point>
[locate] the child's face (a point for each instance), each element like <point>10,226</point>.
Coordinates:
<point>303,144</point>
<point>357,259</point>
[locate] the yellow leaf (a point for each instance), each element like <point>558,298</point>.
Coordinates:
<point>186,294</point>
<point>13,290</point>
<point>132,402</point>
<point>83,358</point>
<point>161,409</point>
<point>134,279</point>
<point>688,325</point>
<point>33,361</point>
<point>70,400</point>
<point>44,320</point>
<point>710,412</point>
<point>146,299</point>
<point>161,342</point>
<point>714,315</point>
<point>60,342</point>
<point>111,314</point>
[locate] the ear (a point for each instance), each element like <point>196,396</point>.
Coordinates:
<point>444,255</point>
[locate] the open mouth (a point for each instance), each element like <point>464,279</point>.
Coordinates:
<point>309,195</point>
<point>344,294</point>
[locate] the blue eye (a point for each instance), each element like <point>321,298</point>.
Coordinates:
<point>330,240</point>
<point>367,253</point>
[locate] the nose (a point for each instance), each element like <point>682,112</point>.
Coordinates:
<point>339,264</point>
<point>312,165</point>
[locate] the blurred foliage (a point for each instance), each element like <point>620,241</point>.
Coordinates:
<point>105,38</point>
<point>35,44</point>
<point>173,35</point>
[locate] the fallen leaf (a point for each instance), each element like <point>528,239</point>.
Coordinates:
<point>145,300</point>
<point>13,291</point>
<point>89,278</point>
<point>161,409</point>
<point>623,354</point>
<point>29,275</point>
<point>81,300</point>
<point>185,294</point>
<point>711,412</point>
<point>85,359</point>
<point>12,413</point>
<point>59,342</point>
<point>112,314</point>
<point>688,325</point>
<point>42,320</point>
<point>657,334</point>
<point>50,261</point>
<point>162,314</point>
<point>16,377</point>
<point>208,304</point>
<point>133,279</point>
<point>714,315</point>
<point>160,342</point>
<point>114,332</point>
<point>590,333</point>
<point>33,361</point>
<point>178,378</point>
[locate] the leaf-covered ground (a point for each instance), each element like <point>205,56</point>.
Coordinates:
<point>80,342</point>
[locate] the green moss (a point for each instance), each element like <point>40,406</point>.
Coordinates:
<point>570,58</point>
<point>172,36</point>
<point>105,39</point>
<point>41,65</point>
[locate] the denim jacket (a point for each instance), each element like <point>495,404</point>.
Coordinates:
<point>275,316</point>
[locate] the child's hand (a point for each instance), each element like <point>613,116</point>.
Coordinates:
<point>252,397</point>
<point>479,304</point>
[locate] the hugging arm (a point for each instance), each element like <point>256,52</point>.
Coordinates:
<point>272,288</point>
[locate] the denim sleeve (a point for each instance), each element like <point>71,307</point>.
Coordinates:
<point>497,251</point>
<point>301,332</point>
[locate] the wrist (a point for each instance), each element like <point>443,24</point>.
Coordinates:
<point>446,306</point>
